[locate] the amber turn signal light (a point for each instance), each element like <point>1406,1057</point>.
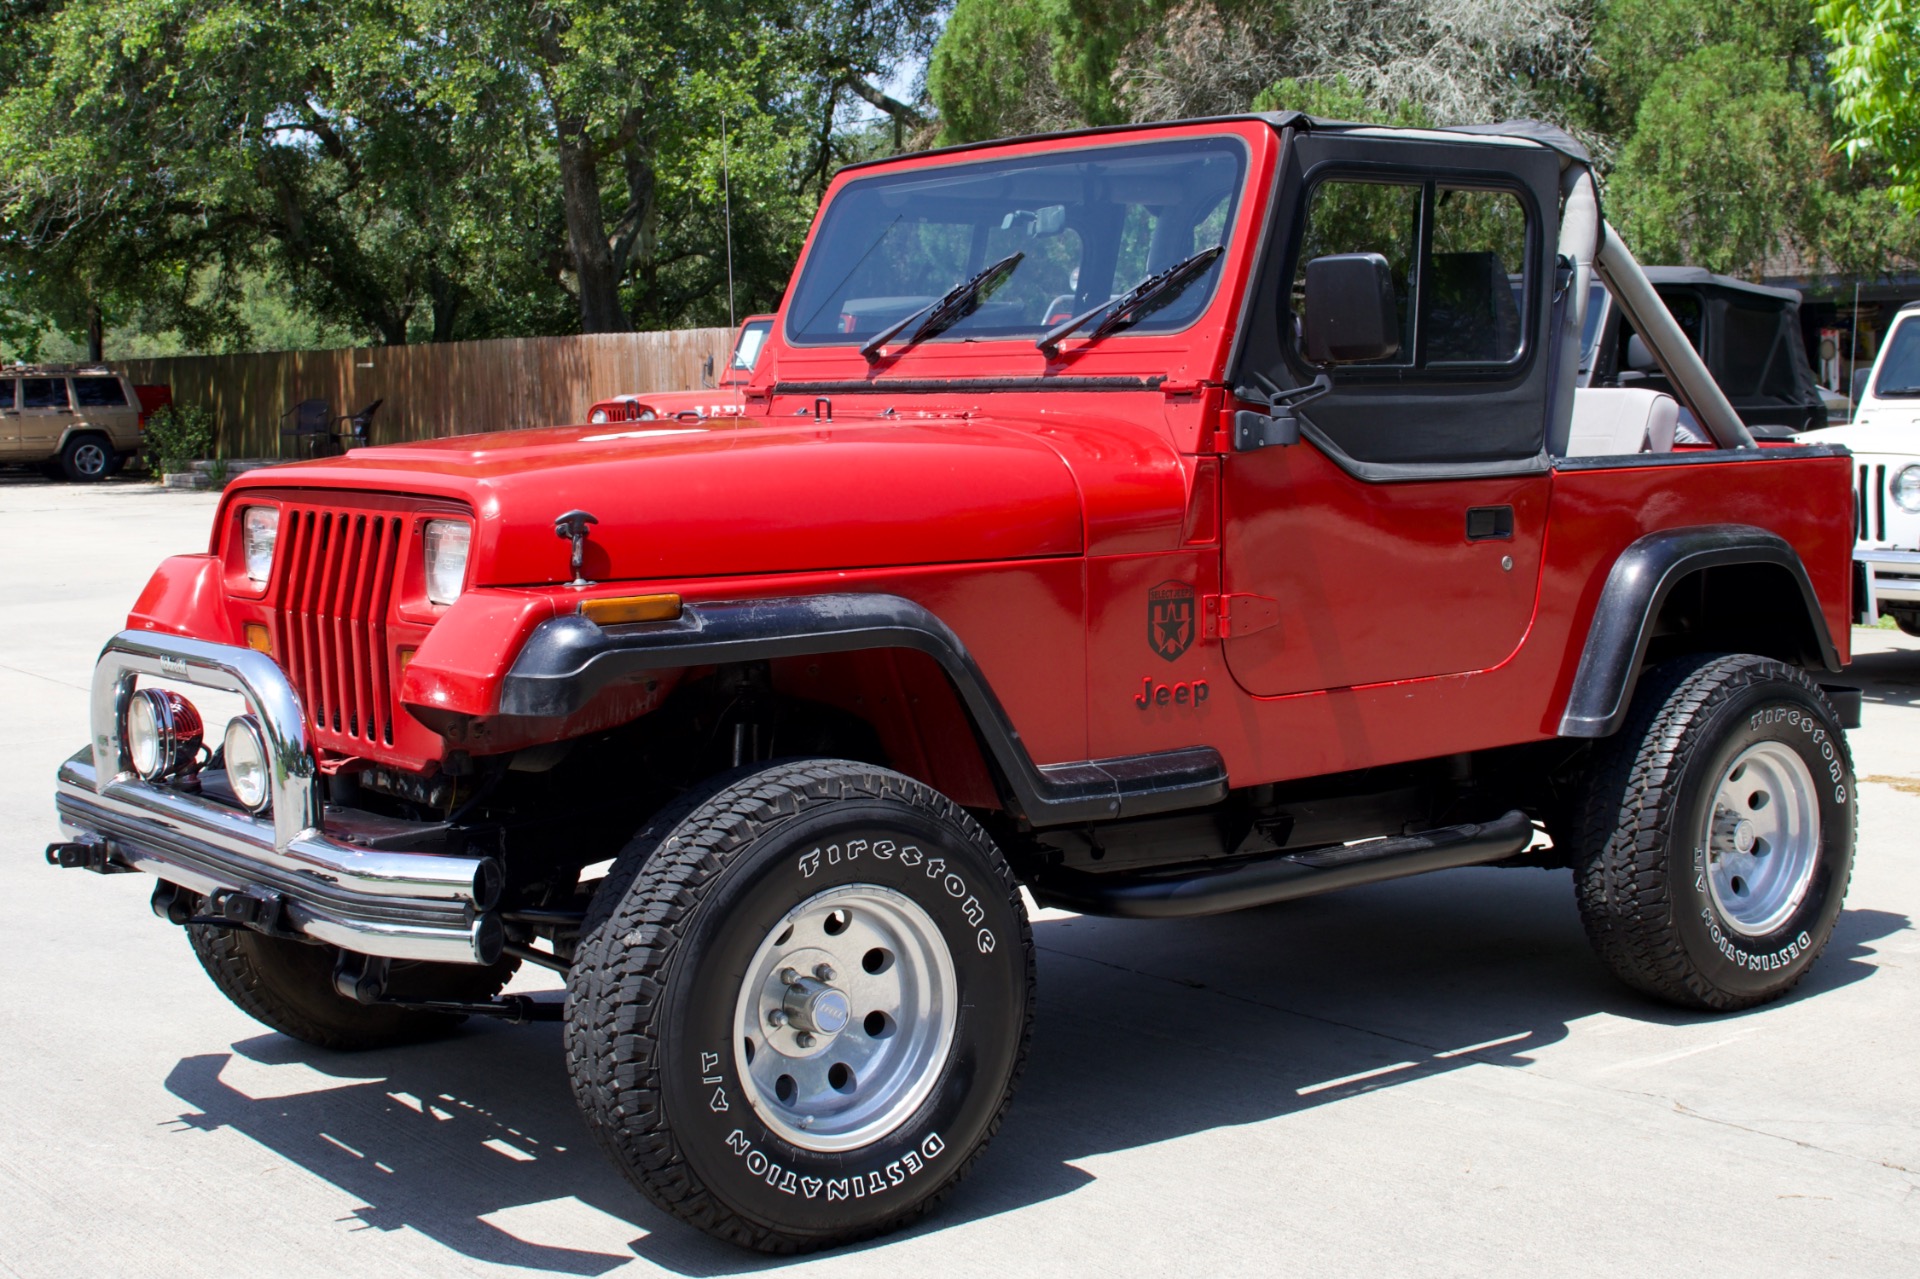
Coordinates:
<point>631,608</point>
<point>258,640</point>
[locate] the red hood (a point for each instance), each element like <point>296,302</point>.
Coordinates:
<point>730,496</point>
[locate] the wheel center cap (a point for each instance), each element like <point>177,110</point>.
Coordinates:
<point>1743,836</point>
<point>814,1006</point>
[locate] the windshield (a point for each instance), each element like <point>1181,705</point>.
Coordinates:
<point>1091,224</point>
<point>1900,366</point>
<point>746,352</point>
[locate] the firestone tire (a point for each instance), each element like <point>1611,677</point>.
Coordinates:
<point>86,459</point>
<point>1716,837</point>
<point>288,986</point>
<point>682,1055</point>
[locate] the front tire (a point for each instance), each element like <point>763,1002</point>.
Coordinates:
<point>287,986</point>
<point>1716,836</point>
<point>801,1003</point>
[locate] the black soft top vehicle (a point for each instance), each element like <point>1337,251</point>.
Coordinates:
<point>1748,334</point>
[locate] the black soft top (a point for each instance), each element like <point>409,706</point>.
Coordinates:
<point>1701,276</point>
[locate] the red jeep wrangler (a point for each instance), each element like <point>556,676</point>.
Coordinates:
<point>1291,558</point>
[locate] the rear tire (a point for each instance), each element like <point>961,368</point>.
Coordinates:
<point>1715,838</point>
<point>288,986</point>
<point>86,459</point>
<point>885,919</point>
<point>1908,622</point>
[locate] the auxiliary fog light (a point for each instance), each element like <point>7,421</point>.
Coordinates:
<point>246,755</point>
<point>163,734</point>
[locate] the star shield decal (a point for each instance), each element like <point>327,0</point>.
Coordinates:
<point>1170,619</point>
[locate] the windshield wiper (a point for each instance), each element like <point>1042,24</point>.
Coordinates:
<point>953,306</point>
<point>1136,304</point>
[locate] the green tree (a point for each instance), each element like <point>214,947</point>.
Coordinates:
<point>1875,67</point>
<point>1724,166</point>
<point>419,169</point>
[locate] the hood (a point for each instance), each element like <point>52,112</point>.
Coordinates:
<point>730,496</point>
<point>1884,431</point>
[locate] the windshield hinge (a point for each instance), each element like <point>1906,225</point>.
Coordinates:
<point>1231,616</point>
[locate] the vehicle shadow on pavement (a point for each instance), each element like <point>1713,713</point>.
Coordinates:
<point>1145,1032</point>
<point>1889,678</point>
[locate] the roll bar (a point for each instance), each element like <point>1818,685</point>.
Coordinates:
<point>1671,350</point>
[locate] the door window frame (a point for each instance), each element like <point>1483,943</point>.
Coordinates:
<point>1429,182</point>
<point>1520,392</point>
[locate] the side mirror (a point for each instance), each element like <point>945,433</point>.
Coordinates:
<point>1350,313</point>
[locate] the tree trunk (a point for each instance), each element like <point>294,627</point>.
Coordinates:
<point>96,333</point>
<point>587,237</point>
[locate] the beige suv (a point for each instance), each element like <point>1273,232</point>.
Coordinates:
<point>86,420</point>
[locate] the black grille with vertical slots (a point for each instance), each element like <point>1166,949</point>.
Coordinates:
<point>1870,503</point>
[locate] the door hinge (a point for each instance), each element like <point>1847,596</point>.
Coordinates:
<point>1231,616</point>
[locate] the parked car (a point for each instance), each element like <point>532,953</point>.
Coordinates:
<point>1748,334</point>
<point>87,421</point>
<point>722,400</point>
<point>1293,559</point>
<point>1884,437</point>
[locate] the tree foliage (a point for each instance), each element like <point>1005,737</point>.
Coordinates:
<point>1875,64</point>
<point>424,169</point>
<point>1724,161</point>
<point>1713,124</point>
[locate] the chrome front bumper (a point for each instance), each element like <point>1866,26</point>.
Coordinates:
<point>1889,577</point>
<point>315,865</point>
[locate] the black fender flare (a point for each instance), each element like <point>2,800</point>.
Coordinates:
<point>568,660</point>
<point>1637,586</point>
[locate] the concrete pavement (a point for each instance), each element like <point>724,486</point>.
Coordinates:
<point>1429,1077</point>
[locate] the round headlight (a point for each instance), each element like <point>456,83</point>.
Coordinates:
<point>645,415</point>
<point>597,416</point>
<point>1906,489</point>
<point>163,734</point>
<point>246,758</point>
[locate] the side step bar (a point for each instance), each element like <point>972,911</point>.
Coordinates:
<point>1279,879</point>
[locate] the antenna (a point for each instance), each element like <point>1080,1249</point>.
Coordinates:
<point>1853,356</point>
<point>726,201</point>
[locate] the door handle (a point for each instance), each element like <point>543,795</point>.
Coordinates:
<point>1490,524</point>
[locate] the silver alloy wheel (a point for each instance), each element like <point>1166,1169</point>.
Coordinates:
<point>846,1017</point>
<point>90,459</point>
<point>1762,838</point>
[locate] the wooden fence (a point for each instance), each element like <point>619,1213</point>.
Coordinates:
<point>450,388</point>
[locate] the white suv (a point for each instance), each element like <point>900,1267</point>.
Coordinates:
<point>1885,438</point>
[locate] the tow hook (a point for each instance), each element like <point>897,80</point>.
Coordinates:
<point>262,911</point>
<point>363,979</point>
<point>96,855</point>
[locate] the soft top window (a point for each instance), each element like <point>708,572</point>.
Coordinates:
<point>1457,256</point>
<point>1090,224</point>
